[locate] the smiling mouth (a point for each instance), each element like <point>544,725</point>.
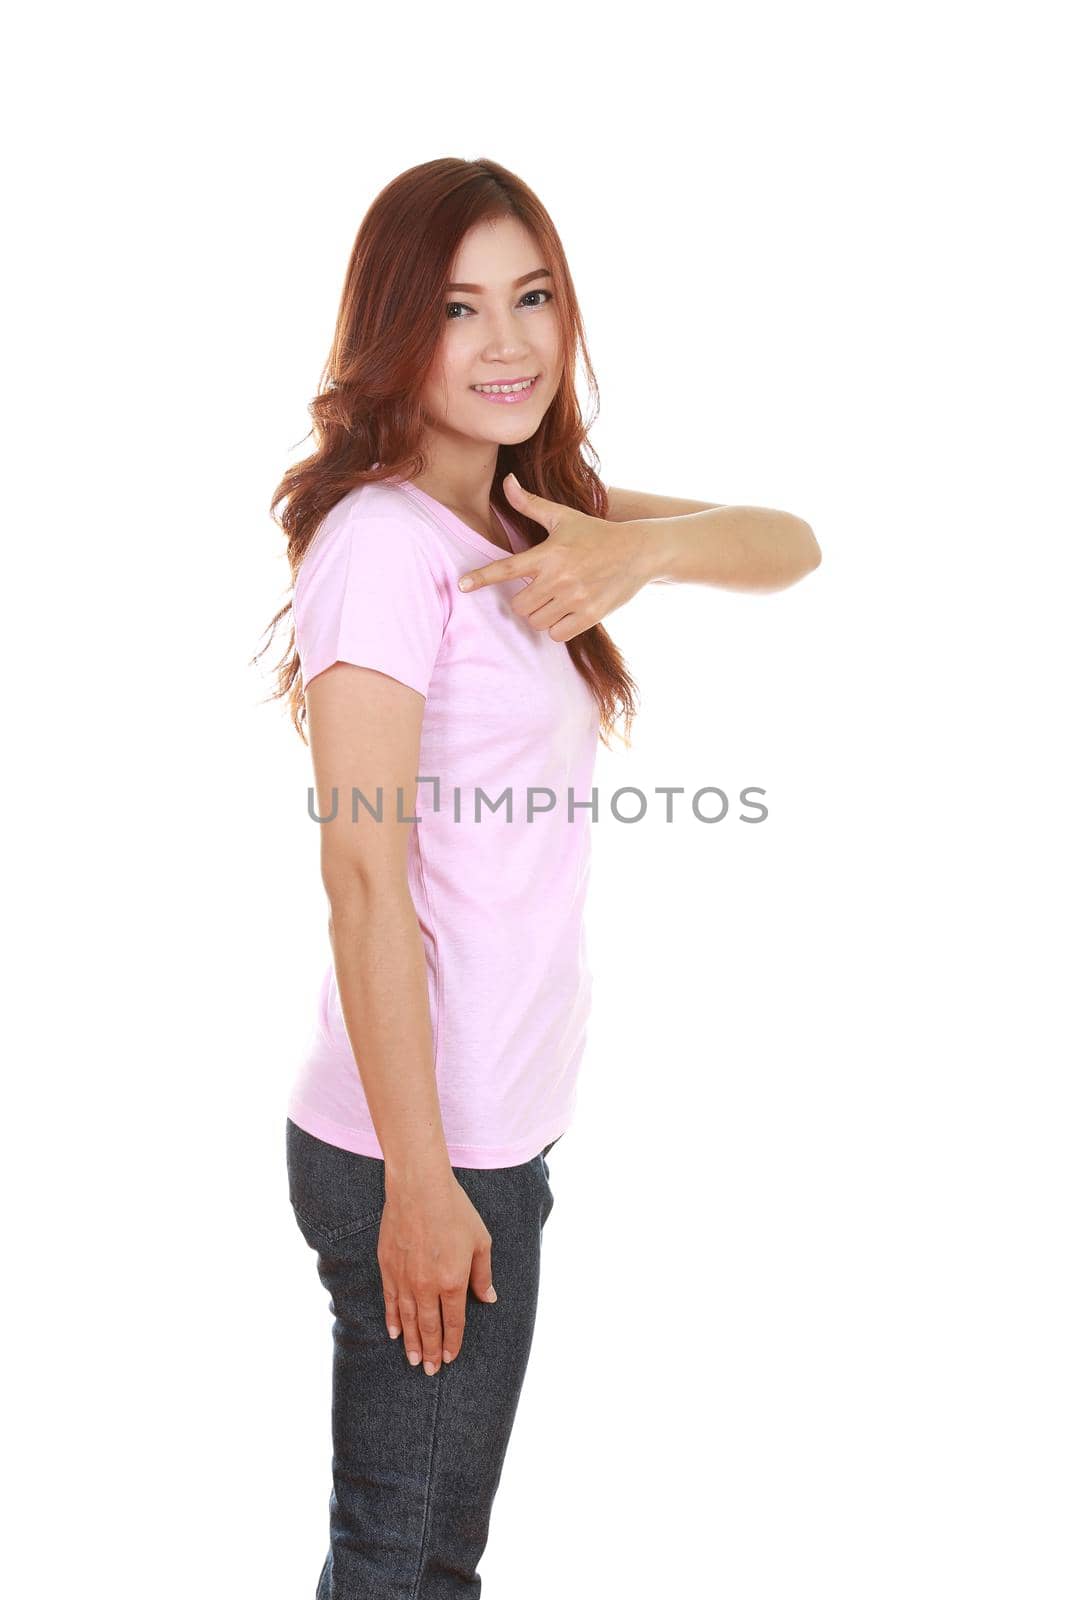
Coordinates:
<point>509,393</point>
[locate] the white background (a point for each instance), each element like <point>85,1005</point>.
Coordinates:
<point>802,1313</point>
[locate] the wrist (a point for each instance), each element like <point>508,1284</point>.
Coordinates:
<point>414,1172</point>
<point>651,547</point>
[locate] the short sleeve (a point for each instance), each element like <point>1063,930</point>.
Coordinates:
<point>369,595</point>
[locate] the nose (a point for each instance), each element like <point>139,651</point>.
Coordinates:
<point>505,336</point>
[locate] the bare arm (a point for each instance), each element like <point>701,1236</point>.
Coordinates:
<point>698,541</point>
<point>583,571</point>
<point>364,730</point>
<point>631,505</point>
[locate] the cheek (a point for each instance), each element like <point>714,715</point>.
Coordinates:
<point>549,346</point>
<point>441,391</point>
<point>452,379</point>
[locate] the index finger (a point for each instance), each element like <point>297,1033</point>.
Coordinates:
<point>520,565</point>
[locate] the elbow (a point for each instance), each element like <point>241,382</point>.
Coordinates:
<point>356,888</point>
<point>790,556</point>
<point>804,552</point>
<point>814,553</point>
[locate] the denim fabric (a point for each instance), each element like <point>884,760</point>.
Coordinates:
<point>416,1459</point>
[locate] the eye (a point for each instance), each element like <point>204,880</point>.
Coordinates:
<point>458,305</point>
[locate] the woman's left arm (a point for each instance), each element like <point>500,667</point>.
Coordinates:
<point>589,566</point>
<point>733,547</point>
<point>630,505</point>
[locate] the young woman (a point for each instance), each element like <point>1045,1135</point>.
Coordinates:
<point>453,555</point>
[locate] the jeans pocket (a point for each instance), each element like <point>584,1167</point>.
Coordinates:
<point>334,1193</point>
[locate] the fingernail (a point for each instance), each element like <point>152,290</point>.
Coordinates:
<point>464,584</point>
<point>446,1355</point>
<point>394,1333</point>
<point>414,1357</point>
<point>491,1293</point>
<point>429,1368</point>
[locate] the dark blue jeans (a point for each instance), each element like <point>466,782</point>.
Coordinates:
<point>416,1459</point>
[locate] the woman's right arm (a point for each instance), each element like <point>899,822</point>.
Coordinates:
<point>364,729</point>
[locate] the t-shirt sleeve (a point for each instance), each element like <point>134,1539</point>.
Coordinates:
<point>370,597</point>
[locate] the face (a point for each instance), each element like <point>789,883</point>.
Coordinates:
<point>496,328</point>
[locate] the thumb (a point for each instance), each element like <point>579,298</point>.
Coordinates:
<point>534,506</point>
<point>516,493</point>
<point>482,1273</point>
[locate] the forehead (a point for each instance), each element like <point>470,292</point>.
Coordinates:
<point>496,253</point>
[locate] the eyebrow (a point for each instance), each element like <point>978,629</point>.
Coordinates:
<point>478,288</point>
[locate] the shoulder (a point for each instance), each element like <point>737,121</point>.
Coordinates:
<point>373,565</point>
<point>375,525</point>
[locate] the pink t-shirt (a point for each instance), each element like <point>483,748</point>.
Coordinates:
<point>499,898</point>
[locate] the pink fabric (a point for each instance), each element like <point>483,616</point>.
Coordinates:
<point>499,902</point>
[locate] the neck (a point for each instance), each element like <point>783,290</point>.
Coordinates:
<point>460,475</point>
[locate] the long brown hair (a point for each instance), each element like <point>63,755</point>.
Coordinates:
<point>367,417</point>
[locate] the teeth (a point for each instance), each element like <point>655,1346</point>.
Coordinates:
<point>502,388</point>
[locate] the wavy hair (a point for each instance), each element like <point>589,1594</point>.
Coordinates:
<point>367,417</point>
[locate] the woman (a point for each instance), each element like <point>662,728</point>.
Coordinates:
<point>453,727</point>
